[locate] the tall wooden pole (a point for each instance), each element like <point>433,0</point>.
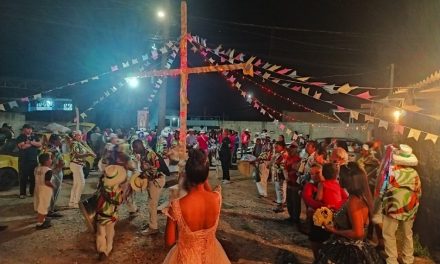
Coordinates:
<point>183,75</point>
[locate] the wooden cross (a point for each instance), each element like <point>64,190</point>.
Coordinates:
<point>184,71</point>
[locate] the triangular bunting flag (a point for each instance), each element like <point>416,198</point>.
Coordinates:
<point>83,115</point>
<point>286,85</point>
<point>163,50</point>
<point>266,65</point>
<point>354,115</point>
<point>240,57</point>
<point>398,129</point>
<point>114,68</point>
<point>251,59</point>
<point>145,57</point>
<point>217,50</point>
<point>231,79</point>
<point>431,137</point>
<point>369,118</point>
<point>168,66</point>
<point>95,78</point>
<point>256,105</point>
<point>340,108</point>
<point>25,99</point>
<point>107,93</point>
<point>320,84</point>
<point>134,61</point>
<point>238,85</point>
<point>282,127</point>
<point>125,64</point>
<point>194,49</point>
<point>366,95</point>
<point>296,88</point>
<point>303,79</point>
<point>174,54</point>
<point>284,71</point>
<point>330,89</point>
<point>249,100</point>
<point>2,107</point>
<point>266,75</point>
<point>222,59</point>
<point>414,133</point>
<point>231,54</point>
<point>159,81</point>
<point>211,60</point>
<point>288,132</point>
<point>293,74</point>
<point>270,116</point>
<point>154,54</point>
<point>13,104</point>
<point>114,89</point>
<point>258,63</point>
<point>276,80</point>
<point>317,95</point>
<point>345,89</point>
<point>169,44</point>
<point>275,121</point>
<point>263,111</point>
<point>84,81</point>
<point>383,123</point>
<point>305,90</point>
<point>274,68</point>
<point>37,96</point>
<point>243,94</point>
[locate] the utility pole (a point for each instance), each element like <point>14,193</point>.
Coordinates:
<point>162,111</point>
<point>391,79</point>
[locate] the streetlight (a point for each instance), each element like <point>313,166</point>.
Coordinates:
<point>160,14</point>
<point>132,82</point>
<point>397,115</point>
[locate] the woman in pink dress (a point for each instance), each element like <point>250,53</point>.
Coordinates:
<point>193,219</point>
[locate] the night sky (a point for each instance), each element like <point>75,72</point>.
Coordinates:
<point>332,41</point>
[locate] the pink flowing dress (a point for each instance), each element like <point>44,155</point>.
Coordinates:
<point>198,247</point>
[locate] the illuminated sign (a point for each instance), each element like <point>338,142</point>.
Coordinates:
<point>50,104</point>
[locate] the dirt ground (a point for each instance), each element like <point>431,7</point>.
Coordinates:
<point>249,231</point>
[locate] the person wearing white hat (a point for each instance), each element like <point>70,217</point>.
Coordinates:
<point>78,153</point>
<point>110,197</point>
<point>400,204</point>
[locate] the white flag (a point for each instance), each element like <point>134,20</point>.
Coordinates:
<point>431,137</point>
<point>414,133</point>
<point>305,90</point>
<point>383,123</point>
<point>354,115</point>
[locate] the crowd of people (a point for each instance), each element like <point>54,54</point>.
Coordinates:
<point>369,197</point>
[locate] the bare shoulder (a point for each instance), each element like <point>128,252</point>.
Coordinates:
<point>356,203</point>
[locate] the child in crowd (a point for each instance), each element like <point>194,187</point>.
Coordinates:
<point>330,193</point>
<point>43,190</point>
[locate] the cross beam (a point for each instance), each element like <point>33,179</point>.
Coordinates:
<point>184,71</point>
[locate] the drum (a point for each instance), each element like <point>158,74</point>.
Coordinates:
<point>88,210</point>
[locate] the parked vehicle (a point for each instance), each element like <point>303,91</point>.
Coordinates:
<point>8,165</point>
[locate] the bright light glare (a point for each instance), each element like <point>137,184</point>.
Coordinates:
<point>249,96</point>
<point>161,14</point>
<point>133,82</point>
<point>397,114</point>
<point>174,119</point>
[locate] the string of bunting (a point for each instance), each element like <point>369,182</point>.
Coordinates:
<point>270,112</point>
<point>412,133</point>
<point>143,60</point>
<point>156,86</point>
<point>267,69</point>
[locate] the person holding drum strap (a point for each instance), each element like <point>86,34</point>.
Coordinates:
<point>78,153</point>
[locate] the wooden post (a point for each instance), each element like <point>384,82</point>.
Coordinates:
<point>183,76</point>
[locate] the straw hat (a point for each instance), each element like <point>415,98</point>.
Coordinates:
<point>114,175</point>
<point>137,183</point>
<point>404,156</point>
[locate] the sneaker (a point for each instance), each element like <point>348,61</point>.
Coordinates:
<point>30,195</point>
<point>54,214</point>
<point>278,209</point>
<point>226,182</point>
<point>22,196</point>
<point>150,231</point>
<point>46,224</point>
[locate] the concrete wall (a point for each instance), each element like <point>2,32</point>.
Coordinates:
<point>16,120</point>
<point>315,130</point>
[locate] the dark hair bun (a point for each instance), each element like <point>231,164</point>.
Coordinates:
<point>196,168</point>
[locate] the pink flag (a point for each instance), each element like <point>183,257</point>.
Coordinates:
<point>365,95</point>
<point>320,84</point>
<point>398,129</point>
<point>231,79</point>
<point>204,53</point>
<point>25,99</point>
<point>284,71</point>
<point>240,57</point>
<point>282,126</point>
<point>222,59</point>
<point>258,63</point>
<point>114,68</point>
<point>340,108</point>
<point>296,88</point>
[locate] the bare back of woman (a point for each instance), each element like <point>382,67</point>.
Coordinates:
<point>200,209</point>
